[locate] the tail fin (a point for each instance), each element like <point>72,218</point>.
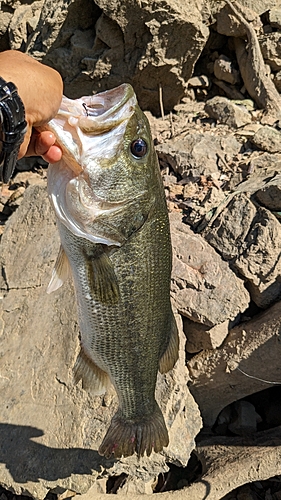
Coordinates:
<point>124,437</point>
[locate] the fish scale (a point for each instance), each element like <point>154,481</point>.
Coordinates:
<point>114,230</point>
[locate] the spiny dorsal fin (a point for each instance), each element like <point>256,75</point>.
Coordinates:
<point>103,279</point>
<point>93,378</point>
<point>171,354</point>
<point>60,272</point>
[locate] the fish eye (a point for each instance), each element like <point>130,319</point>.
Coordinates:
<point>139,148</point>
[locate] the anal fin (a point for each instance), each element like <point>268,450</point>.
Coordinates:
<point>171,354</point>
<point>94,379</point>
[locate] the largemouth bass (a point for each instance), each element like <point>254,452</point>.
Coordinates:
<point>108,197</point>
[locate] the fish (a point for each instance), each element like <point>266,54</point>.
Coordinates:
<point>112,218</point>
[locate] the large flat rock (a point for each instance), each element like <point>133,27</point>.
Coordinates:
<point>50,428</point>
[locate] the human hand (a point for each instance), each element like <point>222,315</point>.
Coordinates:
<point>40,88</point>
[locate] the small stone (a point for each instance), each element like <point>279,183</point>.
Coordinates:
<point>225,70</point>
<point>175,190</point>
<point>243,419</point>
<point>277,80</point>
<point>190,190</point>
<point>66,494</point>
<point>199,81</point>
<point>200,336</point>
<point>267,139</point>
<point>225,111</point>
<point>270,45</point>
<point>270,194</point>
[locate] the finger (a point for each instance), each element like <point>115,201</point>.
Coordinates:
<point>40,143</point>
<point>53,155</point>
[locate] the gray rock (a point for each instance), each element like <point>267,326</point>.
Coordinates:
<point>227,23</point>
<point>23,24</point>
<point>197,154</point>
<point>199,81</point>
<point>275,17</point>
<point>250,237</point>
<point>200,336</point>
<point>277,81</point>
<point>107,44</point>
<point>244,418</point>
<point>239,417</point>
<point>270,47</point>
<point>204,289</point>
<point>268,139</point>
<point>246,363</point>
<point>270,194</point>
<point>251,8</point>
<point>262,169</point>
<point>225,70</point>
<point>50,428</point>
<point>225,111</point>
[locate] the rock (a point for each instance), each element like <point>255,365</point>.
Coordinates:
<point>51,428</point>
<point>275,17</point>
<point>270,194</point>
<point>200,336</point>
<point>244,420</point>
<point>227,23</point>
<point>197,154</point>
<point>277,80</point>
<point>263,168</point>
<point>122,41</point>
<point>204,289</point>
<point>270,47</point>
<point>249,237</point>
<point>5,20</point>
<point>23,24</point>
<point>199,81</point>
<point>241,460</point>
<point>235,370</point>
<point>240,418</point>
<point>230,91</point>
<point>225,111</point>
<point>253,7</point>
<point>224,70</point>
<point>268,139</point>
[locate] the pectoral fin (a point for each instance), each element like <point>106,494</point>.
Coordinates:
<point>93,378</point>
<point>171,354</point>
<point>60,272</point>
<point>103,279</point>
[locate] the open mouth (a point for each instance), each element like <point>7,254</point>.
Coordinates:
<point>109,101</point>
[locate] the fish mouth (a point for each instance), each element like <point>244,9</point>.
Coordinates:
<point>102,112</point>
<point>109,102</point>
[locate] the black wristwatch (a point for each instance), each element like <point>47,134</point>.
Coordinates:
<point>12,128</point>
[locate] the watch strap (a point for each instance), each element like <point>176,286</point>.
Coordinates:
<point>12,128</point>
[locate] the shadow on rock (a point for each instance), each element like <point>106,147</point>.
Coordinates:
<point>30,461</point>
